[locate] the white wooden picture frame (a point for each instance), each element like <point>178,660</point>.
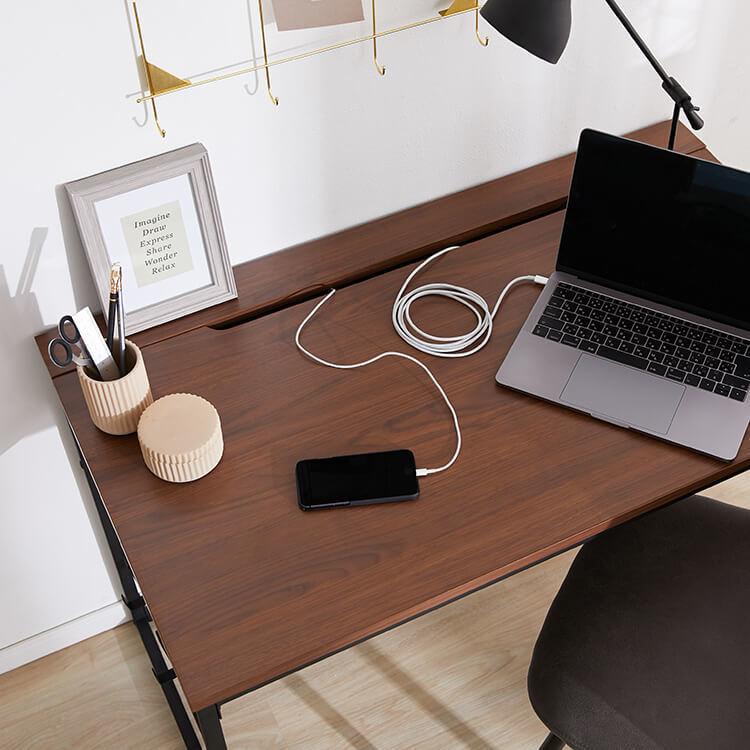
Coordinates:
<point>159,218</point>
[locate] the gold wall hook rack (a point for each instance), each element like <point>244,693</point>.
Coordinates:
<point>161,83</point>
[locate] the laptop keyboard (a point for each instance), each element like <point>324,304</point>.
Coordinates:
<point>661,344</point>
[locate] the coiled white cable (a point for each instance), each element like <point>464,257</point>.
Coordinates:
<point>439,346</point>
<point>448,346</point>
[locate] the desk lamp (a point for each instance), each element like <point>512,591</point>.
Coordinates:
<point>543,26</point>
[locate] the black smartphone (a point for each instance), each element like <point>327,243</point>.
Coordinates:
<point>361,479</point>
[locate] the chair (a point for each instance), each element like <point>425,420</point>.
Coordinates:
<point>647,644</point>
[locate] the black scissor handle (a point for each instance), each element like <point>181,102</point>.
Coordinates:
<point>67,320</point>
<point>66,348</point>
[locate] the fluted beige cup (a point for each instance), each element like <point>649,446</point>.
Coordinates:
<point>116,406</point>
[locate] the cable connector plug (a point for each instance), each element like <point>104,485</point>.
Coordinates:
<point>541,280</point>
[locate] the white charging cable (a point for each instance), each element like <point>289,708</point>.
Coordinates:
<point>440,346</point>
<point>420,472</point>
<point>448,346</point>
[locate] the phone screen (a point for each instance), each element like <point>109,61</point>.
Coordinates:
<point>359,479</point>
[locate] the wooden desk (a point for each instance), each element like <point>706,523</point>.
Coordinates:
<point>244,587</point>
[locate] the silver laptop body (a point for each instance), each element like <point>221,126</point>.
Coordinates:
<point>688,382</point>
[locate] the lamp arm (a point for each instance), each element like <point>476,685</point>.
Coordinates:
<point>637,39</point>
<point>678,94</point>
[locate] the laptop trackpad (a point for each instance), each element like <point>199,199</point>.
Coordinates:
<point>626,395</point>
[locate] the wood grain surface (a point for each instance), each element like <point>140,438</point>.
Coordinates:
<point>299,272</point>
<point>244,586</point>
<point>454,678</point>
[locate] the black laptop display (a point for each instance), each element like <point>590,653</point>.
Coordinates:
<point>659,225</point>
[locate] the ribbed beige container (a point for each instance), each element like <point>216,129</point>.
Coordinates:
<point>180,437</point>
<point>116,406</point>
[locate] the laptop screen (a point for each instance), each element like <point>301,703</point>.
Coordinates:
<point>661,225</point>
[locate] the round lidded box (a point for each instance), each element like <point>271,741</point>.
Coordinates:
<point>180,437</point>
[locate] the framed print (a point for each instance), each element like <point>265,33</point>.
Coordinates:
<point>159,218</point>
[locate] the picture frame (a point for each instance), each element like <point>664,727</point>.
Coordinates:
<point>159,218</point>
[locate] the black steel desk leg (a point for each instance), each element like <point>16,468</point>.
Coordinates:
<point>209,721</point>
<point>142,617</point>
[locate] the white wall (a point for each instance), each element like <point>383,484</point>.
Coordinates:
<point>344,146</point>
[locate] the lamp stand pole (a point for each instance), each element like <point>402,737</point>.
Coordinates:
<point>678,94</point>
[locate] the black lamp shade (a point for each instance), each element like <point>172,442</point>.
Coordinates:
<point>540,26</point>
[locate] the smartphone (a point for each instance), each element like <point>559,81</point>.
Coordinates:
<point>361,479</point>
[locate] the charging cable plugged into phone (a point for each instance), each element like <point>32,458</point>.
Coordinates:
<point>391,476</point>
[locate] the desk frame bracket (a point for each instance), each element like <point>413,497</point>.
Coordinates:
<point>142,617</point>
<point>138,608</point>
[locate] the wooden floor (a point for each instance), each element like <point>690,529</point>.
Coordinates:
<point>452,679</point>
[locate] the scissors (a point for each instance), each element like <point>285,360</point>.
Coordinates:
<point>69,335</point>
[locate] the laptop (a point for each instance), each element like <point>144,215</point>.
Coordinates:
<point>645,322</point>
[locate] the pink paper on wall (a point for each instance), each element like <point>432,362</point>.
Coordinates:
<point>306,14</point>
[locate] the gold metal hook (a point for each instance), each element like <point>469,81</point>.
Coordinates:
<point>158,79</point>
<point>461,6</point>
<point>156,120</point>
<point>274,99</point>
<point>476,29</point>
<point>381,69</point>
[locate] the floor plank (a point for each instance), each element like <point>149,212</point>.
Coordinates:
<point>455,678</point>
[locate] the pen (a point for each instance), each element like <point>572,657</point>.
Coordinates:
<point>114,289</point>
<point>121,322</point>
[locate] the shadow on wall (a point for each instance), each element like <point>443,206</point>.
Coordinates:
<point>84,292</point>
<point>139,64</point>
<point>253,55</point>
<point>33,406</point>
<point>21,319</point>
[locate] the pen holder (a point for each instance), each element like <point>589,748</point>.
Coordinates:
<point>116,406</point>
